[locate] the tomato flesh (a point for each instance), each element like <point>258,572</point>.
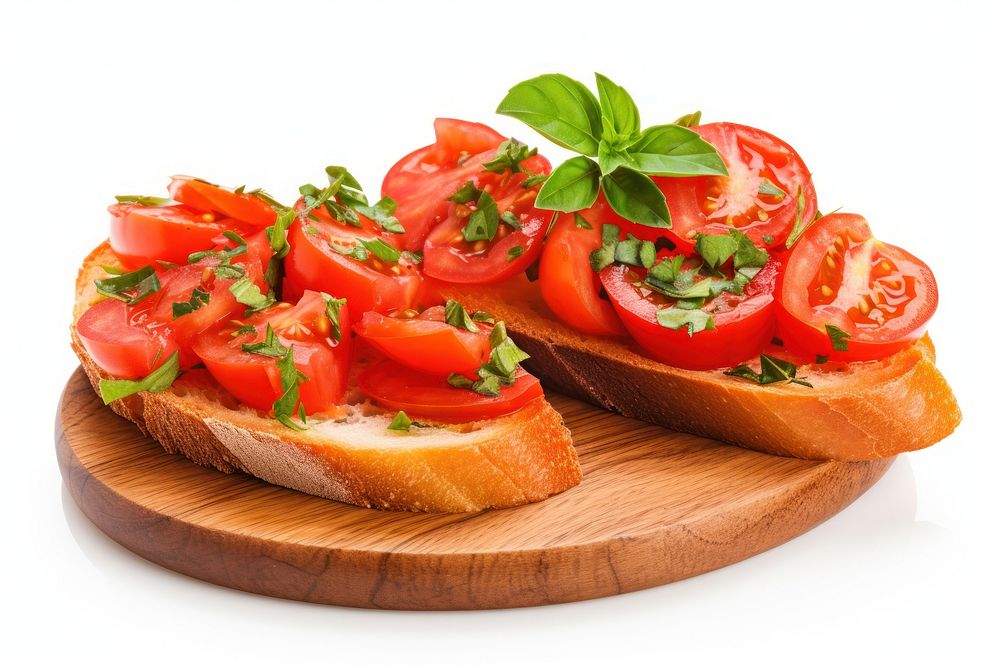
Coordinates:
<point>117,339</point>
<point>207,197</point>
<point>255,379</point>
<point>427,343</point>
<point>372,285</point>
<point>743,323</point>
<point>422,181</point>
<point>839,274</point>
<point>742,200</point>
<point>418,394</point>
<point>141,235</point>
<point>569,286</point>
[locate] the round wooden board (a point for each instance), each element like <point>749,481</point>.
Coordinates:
<point>654,507</point>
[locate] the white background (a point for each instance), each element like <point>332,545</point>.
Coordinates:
<point>893,106</point>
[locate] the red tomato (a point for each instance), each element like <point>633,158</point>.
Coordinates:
<point>838,274</point>
<point>715,204</point>
<point>370,285</point>
<point>117,338</point>
<point>572,289</point>
<point>255,379</point>
<point>427,343</point>
<point>140,235</point>
<point>421,182</point>
<point>743,323</point>
<point>205,196</point>
<point>420,395</point>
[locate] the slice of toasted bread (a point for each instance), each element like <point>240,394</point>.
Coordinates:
<point>855,412</point>
<point>503,462</point>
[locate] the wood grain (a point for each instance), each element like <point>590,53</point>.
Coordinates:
<point>654,507</point>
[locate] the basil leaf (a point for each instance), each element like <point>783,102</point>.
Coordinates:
<point>159,380</point>
<point>333,307</point>
<point>635,197</point>
<point>514,253</point>
<point>678,318</point>
<point>143,200</point>
<point>800,225</point>
<point>484,221</point>
<point>505,356</point>
<point>672,150</point>
<point>689,119</point>
<point>400,422</point>
<point>508,218</point>
<point>533,180</point>
<point>509,156</point>
<point>573,186</point>
<point>247,293</point>
<point>381,249</point>
<point>291,378</point>
<point>269,347</point>
<point>768,188</point>
<point>131,287</point>
<point>684,287</point>
<point>822,358</point>
<point>199,298</point>
<point>560,108</point>
<point>581,222</point>
<point>482,316</point>
<point>618,110</point>
<point>715,249</point>
<point>382,214</point>
<point>667,270</point>
<point>605,255</point>
<point>635,252</point>
<point>610,158</point>
<point>466,193</point>
<point>456,315</point>
<point>747,254</point>
<point>346,187</point>
<point>772,369</point>
<point>838,337</point>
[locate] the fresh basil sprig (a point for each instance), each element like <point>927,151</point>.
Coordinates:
<point>567,113</point>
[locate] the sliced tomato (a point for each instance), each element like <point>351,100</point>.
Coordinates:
<point>422,181</point>
<point>117,337</point>
<point>745,199</point>
<point>571,289</point>
<point>421,395</point>
<point>255,379</point>
<point>427,343</point>
<point>743,323</point>
<point>141,235</point>
<point>839,274</point>
<point>367,285</point>
<point>208,197</point>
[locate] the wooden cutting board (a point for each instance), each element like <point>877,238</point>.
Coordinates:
<point>654,507</point>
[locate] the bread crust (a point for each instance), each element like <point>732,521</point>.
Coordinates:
<point>855,412</point>
<point>503,462</point>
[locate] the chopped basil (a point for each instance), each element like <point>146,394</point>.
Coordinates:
<point>499,371</point>
<point>770,189</point>
<point>143,200</point>
<point>605,255</point>
<point>400,422</point>
<point>456,315</point>
<point>269,347</point>
<point>413,257</point>
<point>381,249</point>
<point>382,214</point>
<point>247,293</point>
<point>509,156</point>
<point>484,221</point>
<point>514,253</point>
<point>635,252</point>
<point>509,219</point>
<point>678,318</point>
<point>838,337</point>
<point>291,378</point>
<point>159,380</point>
<point>822,358</point>
<point>131,287</point>
<point>245,329</point>
<point>715,249</point>
<point>199,298</point>
<point>333,307</point>
<point>482,316</point>
<point>466,193</point>
<point>533,180</point>
<point>772,369</point>
<point>800,225</point>
<point>581,222</point>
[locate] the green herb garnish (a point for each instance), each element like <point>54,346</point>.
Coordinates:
<point>514,253</point>
<point>247,293</point>
<point>838,337</point>
<point>400,422</point>
<point>484,221</point>
<point>199,298</point>
<point>510,154</point>
<point>333,307</point>
<point>159,380</point>
<point>131,287</point>
<point>456,315</point>
<point>772,369</point>
<point>143,200</point>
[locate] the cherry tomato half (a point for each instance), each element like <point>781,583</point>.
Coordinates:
<point>422,181</point>
<point>757,163</point>
<point>571,289</point>
<point>117,338</point>
<point>743,323</point>
<point>140,235</point>
<point>427,343</point>
<point>255,379</point>
<point>421,395</point>
<point>208,197</point>
<point>838,274</point>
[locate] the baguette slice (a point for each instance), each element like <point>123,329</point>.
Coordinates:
<point>855,412</point>
<point>503,462</point>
